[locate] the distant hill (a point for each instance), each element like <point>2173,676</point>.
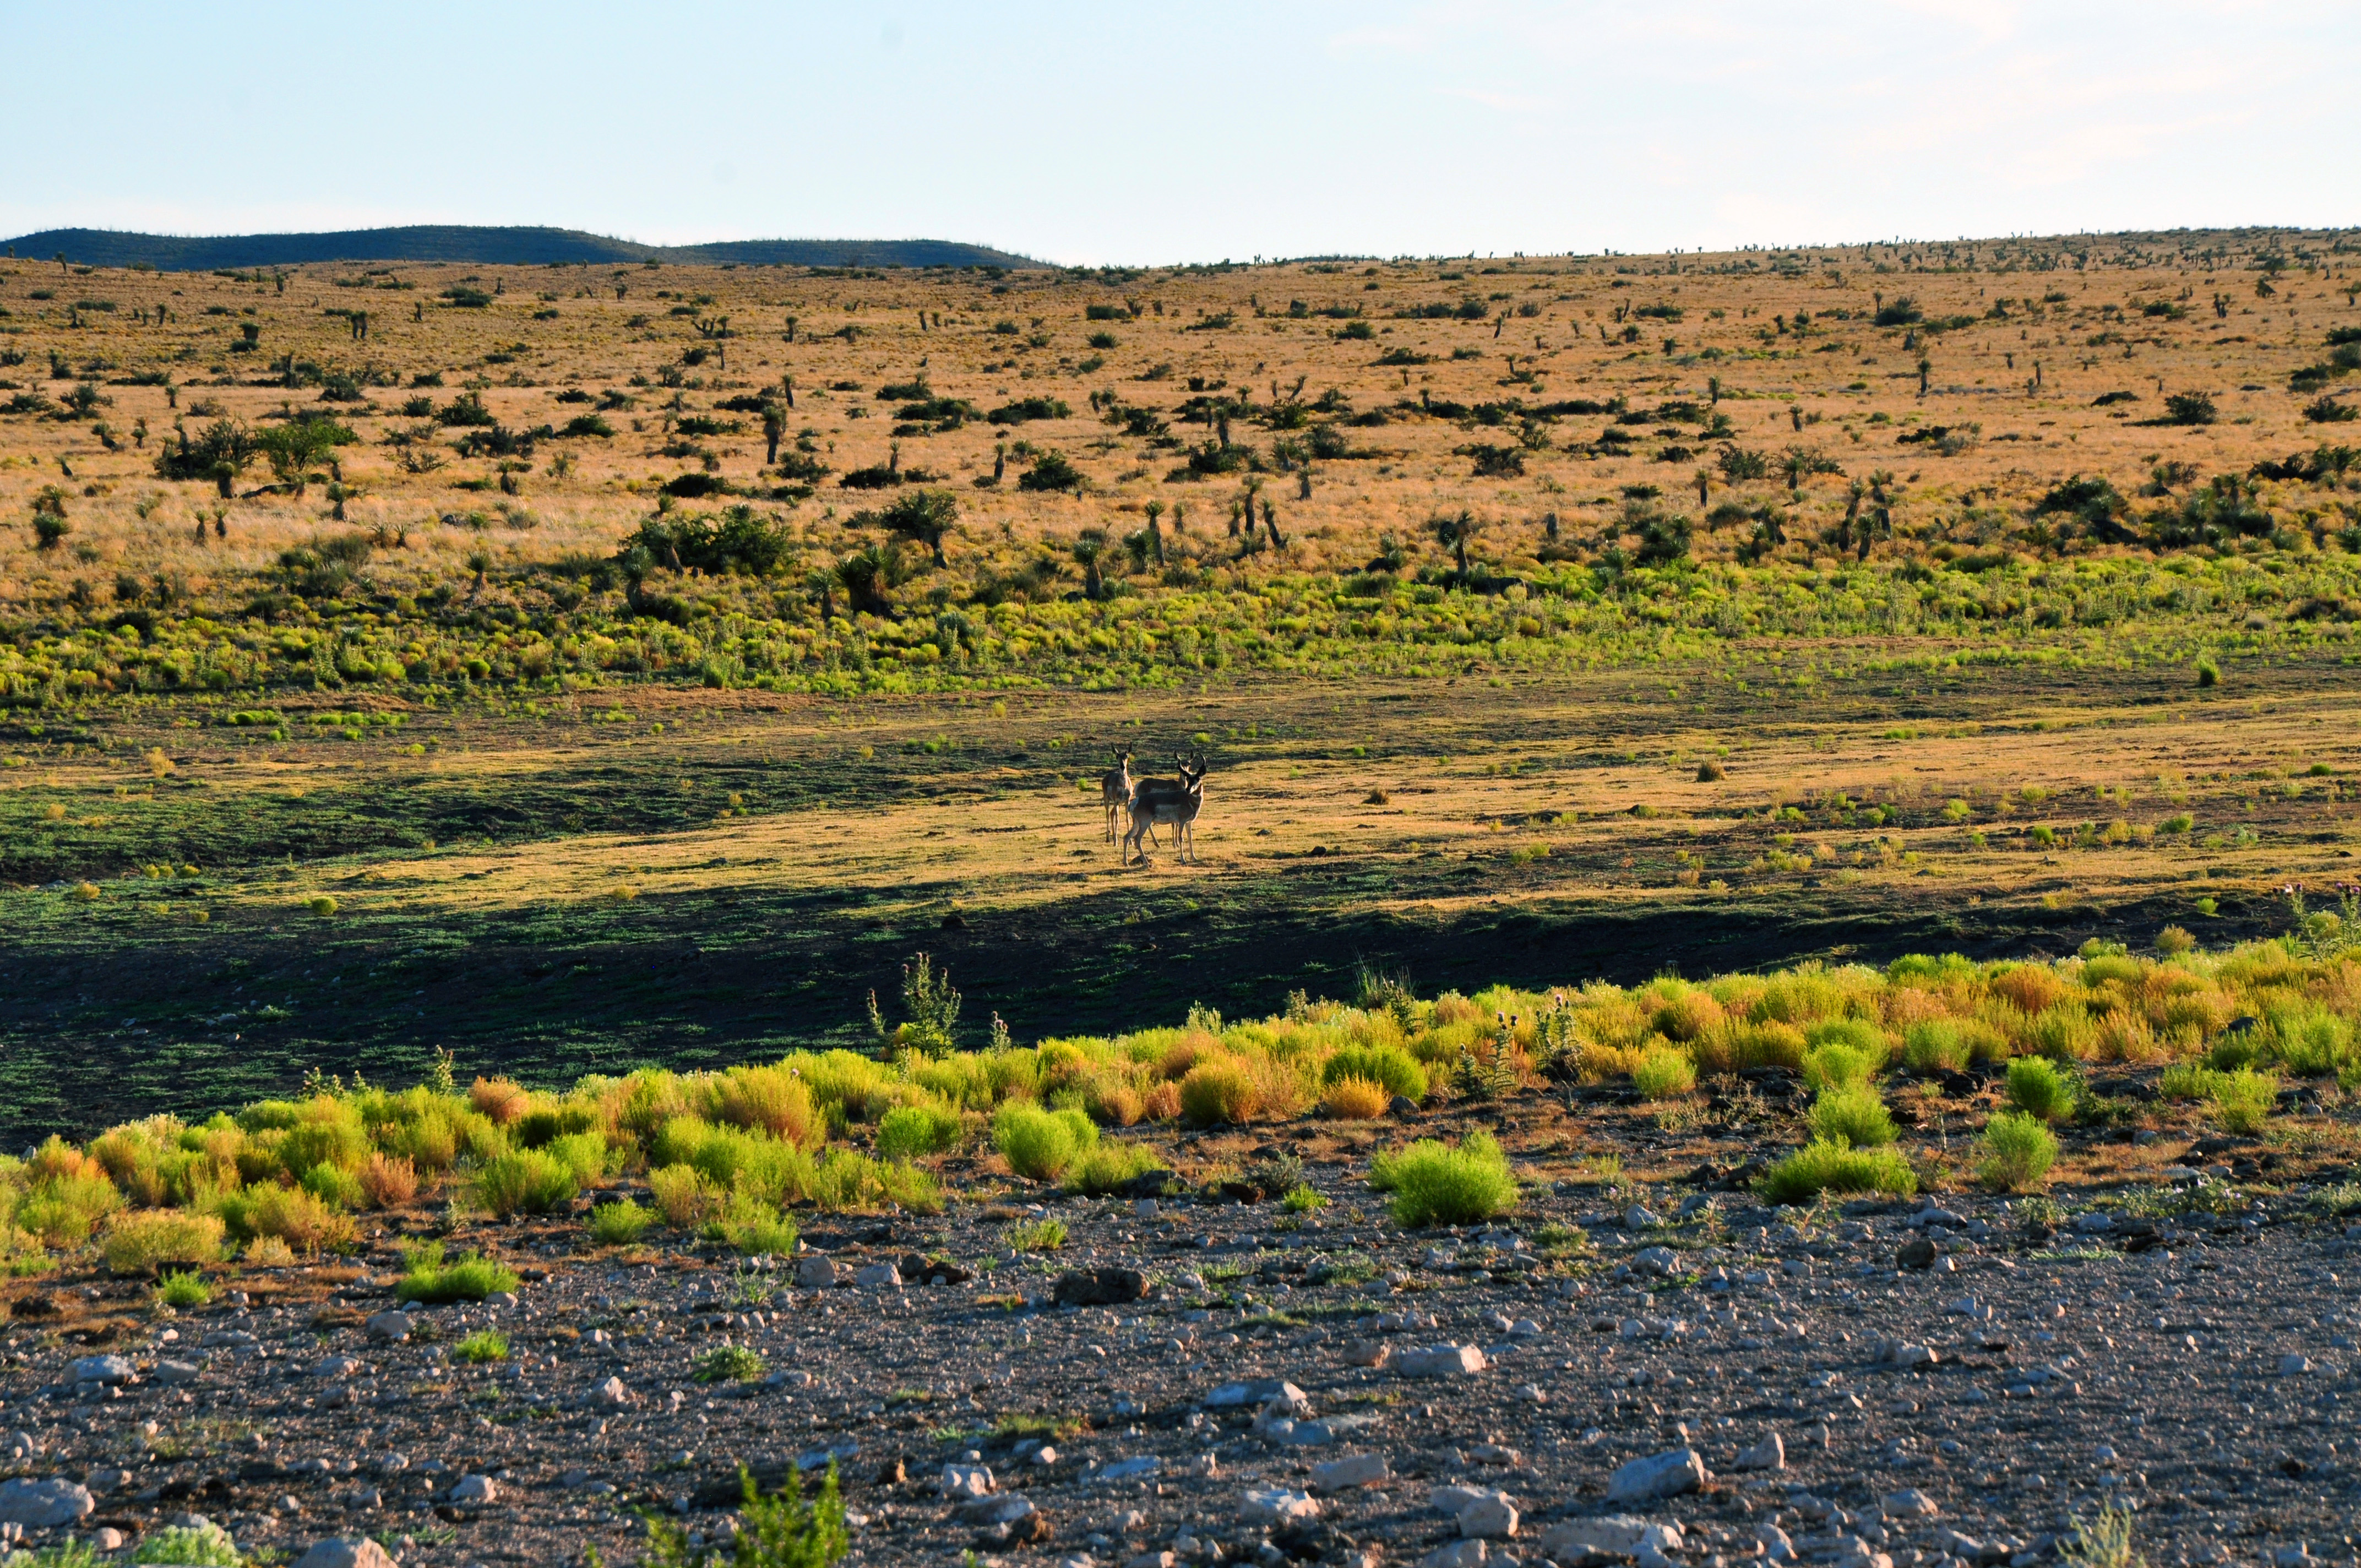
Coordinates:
<point>488,246</point>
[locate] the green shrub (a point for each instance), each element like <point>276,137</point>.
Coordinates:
<point>183,1289</point>
<point>1400,1072</point>
<point>1840,1065</point>
<point>524,1181</point>
<point>584,1155</point>
<point>2187,1080</point>
<point>1823,1166</point>
<point>620,1223</point>
<point>1038,1235</point>
<point>1303,1201</point>
<point>483,1346</point>
<point>427,1278</point>
<point>2242,1100</point>
<point>1949,1045</point>
<point>1109,1167</point>
<point>908,1131</point>
<point>753,1228</point>
<point>335,1186</point>
<point>1217,1092</point>
<point>1433,1184</point>
<point>2037,1088</point>
<point>1851,1115</point>
<point>777,1531</point>
<point>142,1243</point>
<point>727,1364</point>
<point>1663,1072</point>
<point>1040,1144</point>
<point>1853,1033</point>
<point>205,1545</point>
<point>2017,1152</point>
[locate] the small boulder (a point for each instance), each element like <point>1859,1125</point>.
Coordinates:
<point>1277,1506</point>
<point>610,1395</point>
<point>966,1481</point>
<point>1458,1554</point>
<point>1918,1252</point>
<point>335,1366</point>
<point>878,1276</point>
<point>1569,1540</point>
<point>2294,1365</point>
<point>171,1372</point>
<point>1909,1503</point>
<point>110,1370</point>
<point>1636,1218</point>
<point>392,1326</point>
<point>1257,1391</point>
<point>1373,1352</point>
<point>475,1492</point>
<point>42,1505</point>
<point>1101,1286</point>
<point>1491,1517</point>
<point>1441,1361</point>
<point>1131,1469</point>
<point>816,1274</point>
<point>1354,1470</point>
<point>1658,1260</point>
<point>1658,1476</point>
<point>1771,1453</point>
<point>345,1551</point>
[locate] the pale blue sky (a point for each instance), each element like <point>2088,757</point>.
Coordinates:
<point>1107,132</point>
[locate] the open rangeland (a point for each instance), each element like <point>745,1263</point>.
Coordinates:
<point>1775,864</point>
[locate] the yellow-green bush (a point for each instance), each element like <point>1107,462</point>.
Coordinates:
<point>1219,1091</point>
<point>1390,1066</point>
<point>144,1241</point>
<point>1040,1144</point>
<point>1664,1073</point>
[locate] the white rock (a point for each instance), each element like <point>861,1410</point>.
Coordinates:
<point>1491,1517</point>
<point>1277,1506</point>
<point>815,1273</point>
<point>168,1372</point>
<point>335,1366</point>
<point>1458,1554</point>
<point>475,1492</point>
<point>1261,1391</point>
<point>2294,1365</point>
<point>966,1481</point>
<point>1130,1469</point>
<point>2095,1222</point>
<point>1152,1560</point>
<point>999,1508</point>
<point>111,1370</point>
<point>345,1551</point>
<point>611,1394</point>
<point>1569,1539</point>
<point>1354,1470</point>
<point>1636,1218</point>
<point>1441,1361</point>
<point>38,1504</point>
<point>1909,1503</point>
<point>878,1276</point>
<point>388,1326</point>
<point>1773,1541</point>
<point>1660,1475</point>
<point>1771,1453</point>
<point>1656,1260</point>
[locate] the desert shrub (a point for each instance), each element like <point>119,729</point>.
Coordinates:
<point>2039,1089</point>
<point>1663,1072</point>
<point>1219,1091</point>
<point>525,1181</point>
<point>1689,1015</point>
<point>620,1223</point>
<point>329,1133</point>
<point>1303,1201</point>
<point>1390,1066</point>
<point>1838,1066</point>
<point>291,1215</point>
<point>2242,1100</point>
<point>482,1346</point>
<point>1354,1100</point>
<point>544,1124</point>
<point>333,1185</point>
<point>1111,1166</point>
<point>143,1242</point>
<point>201,1545</point>
<point>499,1100</point>
<point>727,1364</point>
<point>775,1098</point>
<point>1434,1184</point>
<point>388,1181</point>
<point>181,1289</point>
<point>1851,1114</point>
<point>2175,941</point>
<point>62,1208</point>
<point>1038,1235</point>
<point>752,1227</point>
<point>427,1277</point>
<point>1160,1103</point>
<point>1826,1166</point>
<point>2017,1152</point>
<point>683,1194</point>
<point>2187,1080</point>
<point>1741,1043</point>
<point>1949,1045</point>
<point>733,1159</point>
<point>1040,1144</point>
<point>584,1155</point>
<point>908,1131</point>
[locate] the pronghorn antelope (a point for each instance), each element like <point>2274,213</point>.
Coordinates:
<point>1165,800</point>
<point>1114,788</point>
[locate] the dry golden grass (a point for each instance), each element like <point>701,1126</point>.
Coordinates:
<point>1854,387</point>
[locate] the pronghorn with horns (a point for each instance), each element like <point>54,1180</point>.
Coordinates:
<point>1173,802</point>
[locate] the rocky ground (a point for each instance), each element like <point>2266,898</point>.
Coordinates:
<point>1936,1381</point>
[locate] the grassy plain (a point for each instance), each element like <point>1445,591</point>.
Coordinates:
<point>570,812</point>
